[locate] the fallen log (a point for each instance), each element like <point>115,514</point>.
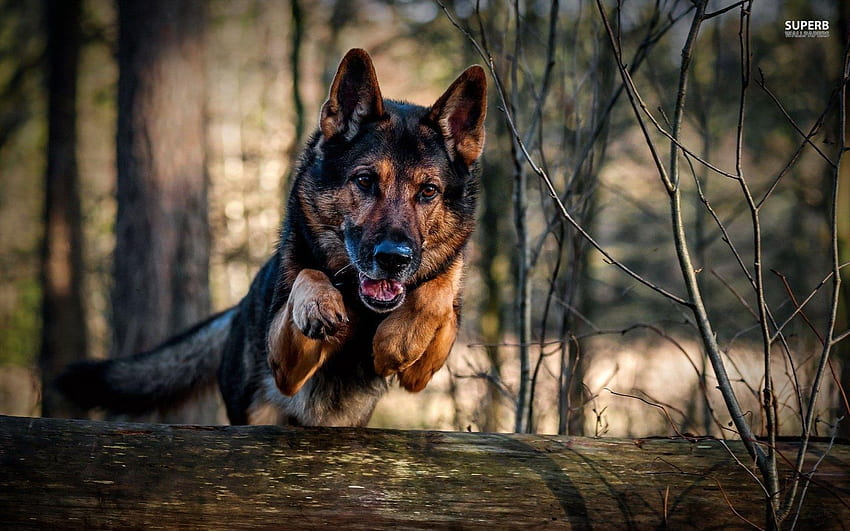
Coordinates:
<point>86,474</point>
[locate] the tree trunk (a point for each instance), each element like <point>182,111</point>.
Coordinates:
<point>162,234</point>
<point>495,274</point>
<point>63,333</point>
<point>197,477</point>
<point>297,40</point>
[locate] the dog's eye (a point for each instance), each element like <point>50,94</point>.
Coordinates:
<point>365,181</point>
<point>429,191</point>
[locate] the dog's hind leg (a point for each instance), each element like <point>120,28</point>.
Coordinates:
<point>306,330</point>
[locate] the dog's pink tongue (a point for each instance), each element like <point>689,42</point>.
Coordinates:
<point>381,290</point>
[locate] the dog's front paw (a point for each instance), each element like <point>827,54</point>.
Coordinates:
<point>318,309</point>
<point>415,377</point>
<point>415,340</point>
<point>414,349</point>
<point>306,330</point>
<point>401,339</point>
<point>322,317</point>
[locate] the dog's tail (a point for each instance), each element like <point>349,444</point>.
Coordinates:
<point>168,374</point>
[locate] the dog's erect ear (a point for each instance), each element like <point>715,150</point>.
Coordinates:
<point>460,114</point>
<point>354,96</point>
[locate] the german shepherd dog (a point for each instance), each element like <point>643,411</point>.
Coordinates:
<point>364,284</point>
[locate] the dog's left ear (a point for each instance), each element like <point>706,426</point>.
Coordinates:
<point>354,96</point>
<point>460,114</point>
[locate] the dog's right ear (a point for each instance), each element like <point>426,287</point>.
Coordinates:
<point>354,97</point>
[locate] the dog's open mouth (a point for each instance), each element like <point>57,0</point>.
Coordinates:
<point>381,295</point>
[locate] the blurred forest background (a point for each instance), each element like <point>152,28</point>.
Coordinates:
<point>102,256</point>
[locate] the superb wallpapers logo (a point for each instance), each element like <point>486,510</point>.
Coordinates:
<point>806,29</point>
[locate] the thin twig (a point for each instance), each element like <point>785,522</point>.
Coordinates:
<point>795,380</point>
<point>808,299</point>
<point>807,138</point>
<point>744,467</point>
<point>833,435</point>
<point>801,147</point>
<point>732,508</point>
<point>724,10</point>
<point>720,225</point>
<point>653,404</point>
<point>735,293</point>
<point>664,335</point>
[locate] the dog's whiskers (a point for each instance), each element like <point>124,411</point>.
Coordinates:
<point>350,265</point>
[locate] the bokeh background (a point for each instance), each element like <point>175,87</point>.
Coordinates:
<point>596,335</point>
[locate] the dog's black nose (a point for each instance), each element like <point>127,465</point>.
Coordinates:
<point>392,256</point>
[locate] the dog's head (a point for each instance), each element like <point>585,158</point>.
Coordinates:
<point>394,183</point>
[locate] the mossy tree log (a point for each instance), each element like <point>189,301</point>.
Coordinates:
<point>85,474</point>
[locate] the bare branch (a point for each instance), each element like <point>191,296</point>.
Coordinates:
<point>734,292</point>
<point>724,9</point>
<point>806,141</point>
<point>720,225</point>
<point>833,434</point>
<point>545,178</point>
<point>806,301</point>
<point>698,308</point>
<point>807,138</point>
<point>840,337</point>
<point>829,336</point>
<point>638,102</point>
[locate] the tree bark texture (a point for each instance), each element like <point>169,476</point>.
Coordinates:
<point>84,474</point>
<point>161,268</point>
<point>63,332</point>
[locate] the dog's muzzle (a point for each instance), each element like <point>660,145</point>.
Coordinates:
<point>382,284</point>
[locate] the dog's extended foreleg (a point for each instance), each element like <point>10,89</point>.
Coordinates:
<point>306,330</point>
<point>415,339</point>
<point>415,377</point>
